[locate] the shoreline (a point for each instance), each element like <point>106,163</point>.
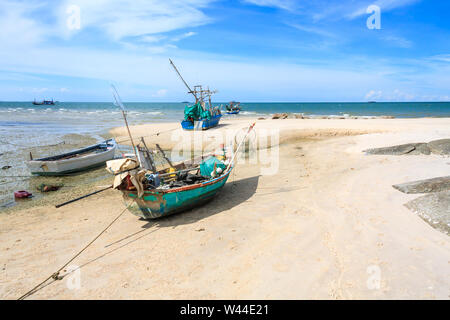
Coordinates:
<point>313,230</point>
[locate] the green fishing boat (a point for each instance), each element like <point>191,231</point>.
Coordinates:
<point>159,203</point>
<point>153,194</point>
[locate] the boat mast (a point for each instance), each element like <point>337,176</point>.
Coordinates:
<point>239,146</point>
<point>209,98</point>
<point>122,107</point>
<point>185,83</point>
<point>199,90</point>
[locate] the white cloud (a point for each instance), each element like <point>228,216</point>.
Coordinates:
<point>385,5</point>
<point>343,80</point>
<point>314,30</point>
<point>373,95</point>
<point>160,93</point>
<point>184,36</point>
<point>441,58</point>
<point>39,90</point>
<point>151,39</point>
<point>143,62</point>
<point>130,18</point>
<point>402,96</point>
<point>347,9</point>
<point>398,41</point>
<point>281,4</point>
<point>16,28</point>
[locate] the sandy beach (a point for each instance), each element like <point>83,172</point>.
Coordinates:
<point>326,224</point>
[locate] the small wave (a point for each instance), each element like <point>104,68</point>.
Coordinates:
<point>248,112</point>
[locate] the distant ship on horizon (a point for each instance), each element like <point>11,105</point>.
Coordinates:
<point>44,102</point>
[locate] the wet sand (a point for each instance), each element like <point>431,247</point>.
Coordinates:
<point>16,158</point>
<point>326,225</point>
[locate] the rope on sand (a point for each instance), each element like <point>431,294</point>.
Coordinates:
<point>55,276</point>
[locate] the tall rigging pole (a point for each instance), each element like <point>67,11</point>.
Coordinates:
<point>187,86</point>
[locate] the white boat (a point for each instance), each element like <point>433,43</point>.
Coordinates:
<point>74,161</point>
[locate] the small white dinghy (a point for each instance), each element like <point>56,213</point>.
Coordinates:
<point>74,161</point>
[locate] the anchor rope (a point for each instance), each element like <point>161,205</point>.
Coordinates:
<point>55,276</point>
<point>43,146</point>
<point>146,136</point>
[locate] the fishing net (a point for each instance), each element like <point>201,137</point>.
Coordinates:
<point>207,166</point>
<point>196,112</point>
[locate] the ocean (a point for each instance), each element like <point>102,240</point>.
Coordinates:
<point>48,130</point>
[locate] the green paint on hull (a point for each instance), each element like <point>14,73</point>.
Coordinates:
<point>155,205</point>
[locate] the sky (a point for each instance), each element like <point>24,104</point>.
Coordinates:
<point>249,50</point>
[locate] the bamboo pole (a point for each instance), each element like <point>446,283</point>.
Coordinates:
<point>129,133</point>
<point>164,155</point>
<point>150,157</point>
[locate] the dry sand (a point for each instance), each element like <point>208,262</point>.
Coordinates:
<point>327,225</point>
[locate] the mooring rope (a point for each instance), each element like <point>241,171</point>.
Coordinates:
<point>55,276</point>
<point>6,182</point>
<point>20,145</point>
<point>150,135</point>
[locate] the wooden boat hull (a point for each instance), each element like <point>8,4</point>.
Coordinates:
<point>155,204</point>
<point>204,124</point>
<point>48,167</point>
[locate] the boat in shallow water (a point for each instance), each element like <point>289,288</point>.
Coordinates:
<point>233,107</point>
<point>74,161</point>
<point>44,103</point>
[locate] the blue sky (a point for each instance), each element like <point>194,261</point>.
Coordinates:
<point>250,50</point>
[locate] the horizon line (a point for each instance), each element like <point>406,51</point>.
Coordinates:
<point>368,102</point>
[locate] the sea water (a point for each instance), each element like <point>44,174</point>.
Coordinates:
<point>49,130</point>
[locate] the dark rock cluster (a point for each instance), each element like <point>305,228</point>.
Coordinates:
<point>441,147</point>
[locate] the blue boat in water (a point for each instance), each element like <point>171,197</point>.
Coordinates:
<point>44,103</point>
<point>233,107</point>
<point>198,116</point>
